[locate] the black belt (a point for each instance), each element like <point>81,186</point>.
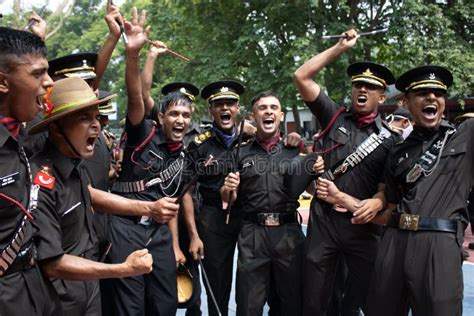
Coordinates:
<point>415,222</point>
<point>272,219</point>
<point>26,259</point>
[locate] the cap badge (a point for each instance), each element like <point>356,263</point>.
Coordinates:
<point>368,72</point>
<point>182,90</point>
<point>84,62</point>
<point>432,76</point>
<point>224,89</point>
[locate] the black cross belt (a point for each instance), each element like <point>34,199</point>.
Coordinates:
<point>9,254</point>
<point>362,151</point>
<point>415,222</point>
<point>26,259</point>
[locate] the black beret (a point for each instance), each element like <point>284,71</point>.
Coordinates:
<point>371,73</point>
<point>180,86</point>
<point>425,77</point>
<point>80,65</point>
<point>224,89</point>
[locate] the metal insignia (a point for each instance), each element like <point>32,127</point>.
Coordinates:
<point>367,72</point>
<point>224,89</point>
<point>414,174</point>
<point>432,76</point>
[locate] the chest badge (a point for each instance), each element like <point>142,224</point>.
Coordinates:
<point>44,179</point>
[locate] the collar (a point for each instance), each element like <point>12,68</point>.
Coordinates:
<point>4,135</point>
<point>377,121</point>
<point>62,164</point>
<point>424,133</point>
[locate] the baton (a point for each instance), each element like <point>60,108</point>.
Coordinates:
<point>31,22</point>
<point>206,280</point>
<point>171,52</point>
<point>185,189</point>
<point>239,143</point>
<point>122,31</point>
<point>360,34</point>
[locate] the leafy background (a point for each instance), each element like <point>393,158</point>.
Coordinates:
<point>262,43</point>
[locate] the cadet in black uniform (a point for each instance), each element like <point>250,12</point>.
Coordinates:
<point>189,241</point>
<point>270,241</point>
<point>219,238</point>
<point>428,179</point>
<point>152,168</point>
<point>24,79</point>
<point>330,232</point>
<point>67,246</point>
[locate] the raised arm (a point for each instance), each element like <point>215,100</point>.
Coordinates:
<point>156,49</point>
<point>304,76</point>
<point>137,37</point>
<point>113,17</point>
<point>39,25</point>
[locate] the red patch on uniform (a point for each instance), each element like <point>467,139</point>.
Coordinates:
<point>44,180</point>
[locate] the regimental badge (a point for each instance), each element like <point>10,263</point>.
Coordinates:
<point>432,76</point>
<point>44,179</point>
<point>224,89</point>
<point>182,90</point>
<point>208,134</point>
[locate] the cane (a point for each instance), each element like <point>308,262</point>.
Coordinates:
<point>31,22</point>
<point>360,34</point>
<point>206,280</point>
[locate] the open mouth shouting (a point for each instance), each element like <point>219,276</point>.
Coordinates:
<point>226,118</point>
<point>90,142</point>
<point>430,112</point>
<point>178,132</point>
<point>362,100</point>
<point>268,122</point>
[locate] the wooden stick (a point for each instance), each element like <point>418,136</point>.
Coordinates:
<point>360,34</point>
<point>171,52</point>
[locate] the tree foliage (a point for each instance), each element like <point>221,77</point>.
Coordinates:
<point>262,42</point>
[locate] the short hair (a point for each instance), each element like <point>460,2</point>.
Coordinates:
<point>174,98</point>
<point>263,94</point>
<point>15,44</point>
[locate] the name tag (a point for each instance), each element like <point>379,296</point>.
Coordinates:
<point>11,178</point>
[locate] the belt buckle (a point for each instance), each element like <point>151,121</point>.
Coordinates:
<point>409,222</point>
<point>269,219</point>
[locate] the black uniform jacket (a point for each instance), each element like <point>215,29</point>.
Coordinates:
<point>210,178</point>
<point>443,193</point>
<point>262,186</point>
<point>146,155</point>
<point>362,180</point>
<point>14,182</point>
<point>64,211</point>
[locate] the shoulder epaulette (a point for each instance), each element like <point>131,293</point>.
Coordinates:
<point>199,139</point>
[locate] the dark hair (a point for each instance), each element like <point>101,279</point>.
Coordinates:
<point>14,44</point>
<point>174,98</point>
<point>263,94</point>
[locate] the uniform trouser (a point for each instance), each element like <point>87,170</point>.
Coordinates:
<point>150,294</point>
<point>219,241</point>
<point>28,293</point>
<point>331,233</point>
<point>270,258</point>
<point>417,270</point>
<point>79,298</point>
